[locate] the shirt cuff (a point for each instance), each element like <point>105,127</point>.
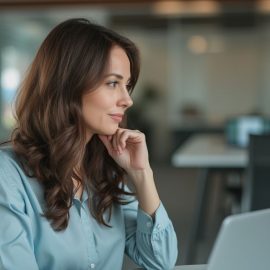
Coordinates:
<point>145,223</point>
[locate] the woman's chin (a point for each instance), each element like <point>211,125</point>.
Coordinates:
<point>108,132</point>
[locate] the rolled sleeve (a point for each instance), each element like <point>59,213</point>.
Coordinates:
<point>151,242</point>
<point>147,224</point>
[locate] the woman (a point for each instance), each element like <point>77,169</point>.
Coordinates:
<point>64,203</point>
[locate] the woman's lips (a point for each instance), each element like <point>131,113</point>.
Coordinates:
<point>117,117</point>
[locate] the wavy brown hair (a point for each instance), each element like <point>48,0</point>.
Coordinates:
<point>49,138</point>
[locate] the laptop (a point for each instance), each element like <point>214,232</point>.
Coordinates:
<point>243,243</point>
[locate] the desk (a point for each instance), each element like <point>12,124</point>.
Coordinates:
<point>206,152</point>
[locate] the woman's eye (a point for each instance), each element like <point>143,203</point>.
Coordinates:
<point>112,84</point>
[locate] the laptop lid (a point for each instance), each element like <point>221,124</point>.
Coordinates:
<point>243,243</point>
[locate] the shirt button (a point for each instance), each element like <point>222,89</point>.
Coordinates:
<point>158,226</point>
<point>149,224</point>
<point>92,265</point>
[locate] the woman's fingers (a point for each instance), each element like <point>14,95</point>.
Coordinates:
<point>131,136</point>
<point>117,143</point>
<point>122,139</point>
<point>119,139</point>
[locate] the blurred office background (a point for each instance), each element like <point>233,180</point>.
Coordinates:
<point>203,62</point>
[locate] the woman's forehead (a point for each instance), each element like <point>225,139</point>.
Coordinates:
<point>118,63</point>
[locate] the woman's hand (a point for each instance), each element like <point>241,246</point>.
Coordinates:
<point>128,149</point>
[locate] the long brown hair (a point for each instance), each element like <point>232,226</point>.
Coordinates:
<point>49,138</point>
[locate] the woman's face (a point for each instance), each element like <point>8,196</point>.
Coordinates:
<point>103,108</point>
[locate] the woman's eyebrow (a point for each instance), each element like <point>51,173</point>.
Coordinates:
<point>118,76</point>
<point>114,74</point>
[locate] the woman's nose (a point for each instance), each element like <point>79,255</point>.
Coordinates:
<point>125,100</point>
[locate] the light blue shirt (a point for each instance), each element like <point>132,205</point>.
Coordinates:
<point>28,242</point>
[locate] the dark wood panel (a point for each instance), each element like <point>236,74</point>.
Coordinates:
<point>18,3</point>
<point>69,2</point>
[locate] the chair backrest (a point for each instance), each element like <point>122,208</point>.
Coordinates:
<point>257,184</point>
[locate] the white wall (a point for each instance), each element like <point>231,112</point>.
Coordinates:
<point>223,81</point>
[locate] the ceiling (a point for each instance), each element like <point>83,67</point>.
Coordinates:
<point>151,12</point>
<point>20,3</point>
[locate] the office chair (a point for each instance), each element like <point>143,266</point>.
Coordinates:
<point>256,190</point>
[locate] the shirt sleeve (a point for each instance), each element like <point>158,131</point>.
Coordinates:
<point>150,243</point>
<point>16,248</point>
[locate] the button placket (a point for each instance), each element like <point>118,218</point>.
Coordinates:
<point>91,249</point>
<point>149,224</point>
